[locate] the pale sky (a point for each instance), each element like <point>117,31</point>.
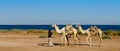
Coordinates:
<point>59,12</point>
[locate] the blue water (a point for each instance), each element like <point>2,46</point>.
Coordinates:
<point>46,27</point>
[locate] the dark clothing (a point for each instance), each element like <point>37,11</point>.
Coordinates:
<point>49,34</point>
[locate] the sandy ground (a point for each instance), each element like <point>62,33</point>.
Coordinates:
<point>32,42</point>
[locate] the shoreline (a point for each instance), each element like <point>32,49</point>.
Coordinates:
<point>46,27</point>
<point>106,32</point>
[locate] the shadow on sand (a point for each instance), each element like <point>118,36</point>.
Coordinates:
<point>58,44</point>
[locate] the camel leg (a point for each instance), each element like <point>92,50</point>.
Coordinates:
<point>90,40</point>
<point>87,39</point>
<point>76,39</point>
<point>67,40</point>
<point>100,37</point>
<point>63,37</point>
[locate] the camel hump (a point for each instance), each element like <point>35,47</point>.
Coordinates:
<point>93,28</point>
<point>68,27</point>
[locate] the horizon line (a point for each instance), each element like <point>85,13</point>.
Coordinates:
<point>59,24</point>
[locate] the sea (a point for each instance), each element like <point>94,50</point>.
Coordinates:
<point>46,27</point>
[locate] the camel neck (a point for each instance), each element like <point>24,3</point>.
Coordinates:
<point>57,29</point>
<point>81,30</point>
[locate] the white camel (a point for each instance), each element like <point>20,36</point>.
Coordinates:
<point>65,32</point>
<point>60,31</point>
<point>70,30</point>
<point>90,33</point>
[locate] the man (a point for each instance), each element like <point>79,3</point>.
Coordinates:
<point>50,38</point>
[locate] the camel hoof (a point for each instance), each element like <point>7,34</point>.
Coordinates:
<point>51,45</point>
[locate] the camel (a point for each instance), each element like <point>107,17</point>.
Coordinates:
<point>70,30</point>
<point>60,31</point>
<point>90,31</point>
<point>65,32</point>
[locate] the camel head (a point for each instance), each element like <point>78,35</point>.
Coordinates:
<point>93,28</point>
<point>68,26</point>
<point>78,25</point>
<point>53,25</point>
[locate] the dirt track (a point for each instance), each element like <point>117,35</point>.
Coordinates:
<point>32,42</point>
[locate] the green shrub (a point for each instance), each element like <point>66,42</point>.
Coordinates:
<point>36,31</point>
<point>15,30</point>
<point>24,31</point>
<point>118,33</point>
<point>106,37</point>
<point>111,32</point>
<point>33,31</point>
<point>42,36</point>
<point>4,31</point>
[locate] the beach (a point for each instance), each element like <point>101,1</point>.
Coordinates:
<point>50,25</point>
<point>11,41</point>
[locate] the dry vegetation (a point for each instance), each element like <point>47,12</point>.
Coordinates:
<point>24,31</point>
<point>106,34</point>
<point>43,33</point>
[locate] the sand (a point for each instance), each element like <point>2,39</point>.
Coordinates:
<point>32,42</point>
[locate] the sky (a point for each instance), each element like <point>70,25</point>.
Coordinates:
<point>13,12</point>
